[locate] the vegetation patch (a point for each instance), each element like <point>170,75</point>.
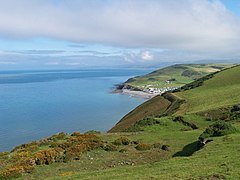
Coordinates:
<point>123,140</point>
<point>190,73</point>
<point>147,121</point>
<point>196,83</point>
<point>225,113</point>
<point>185,123</point>
<point>143,147</point>
<point>110,147</point>
<point>92,132</point>
<point>219,128</point>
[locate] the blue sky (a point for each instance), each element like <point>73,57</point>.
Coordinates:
<point>59,34</point>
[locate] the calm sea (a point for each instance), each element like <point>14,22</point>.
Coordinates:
<point>37,104</point>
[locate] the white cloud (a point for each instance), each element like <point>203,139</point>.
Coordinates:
<point>188,29</point>
<point>196,25</point>
<point>146,55</point>
<point>7,63</point>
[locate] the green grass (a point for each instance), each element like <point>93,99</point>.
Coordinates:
<point>156,105</point>
<point>218,160</point>
<point>220,91</point>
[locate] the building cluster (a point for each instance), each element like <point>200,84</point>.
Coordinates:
<point>162,90</point>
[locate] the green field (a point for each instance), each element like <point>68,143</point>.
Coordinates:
<point>162,141</point>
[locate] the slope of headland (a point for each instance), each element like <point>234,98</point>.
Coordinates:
<point>167,79</point>
<point>191,133</point>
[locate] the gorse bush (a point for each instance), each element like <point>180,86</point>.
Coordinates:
<point>122,141</point>
<point>57,148</point>
<point>110,147</point>
<point>219,128</point>
<point>92,132</point>
<point>143,147</point>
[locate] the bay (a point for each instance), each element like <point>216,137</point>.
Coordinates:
<point>37,104</point>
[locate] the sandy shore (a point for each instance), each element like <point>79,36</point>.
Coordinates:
<point>140,94</point>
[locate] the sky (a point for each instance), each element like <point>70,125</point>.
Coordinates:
<point>60,34</point>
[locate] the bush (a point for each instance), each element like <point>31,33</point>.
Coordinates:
<point>59,136</point>
<point>143,147</point>
<point>165,147</point>
<point>76,134</point>
<point>49,156</point>
<point>157,145</point>
<point>110,147</point>
<point>30,146</point>
<point>146,121</point>
<point>11,172</point>
<point>92,132</point>
<point>122,150</point>
<point>219,128</point>
<point>122,141</point>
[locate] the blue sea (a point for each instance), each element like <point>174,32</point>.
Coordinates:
<point>37,104</point>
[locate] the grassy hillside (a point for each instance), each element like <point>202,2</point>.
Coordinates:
<point>156,105</point>
<point>222,90</point>
<point>192,134</point>
<point>177,75</point>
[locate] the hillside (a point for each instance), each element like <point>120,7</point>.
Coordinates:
<point>174,76</point>
<point>220,91</point>
<point>190,134</point>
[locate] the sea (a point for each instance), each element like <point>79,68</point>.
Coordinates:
<point>38,104</point>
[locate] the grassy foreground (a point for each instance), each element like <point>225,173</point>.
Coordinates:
<point>162,141</point>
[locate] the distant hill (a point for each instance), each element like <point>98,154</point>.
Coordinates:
<point>175,75</point>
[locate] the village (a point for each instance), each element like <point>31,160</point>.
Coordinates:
<point>153,90</point>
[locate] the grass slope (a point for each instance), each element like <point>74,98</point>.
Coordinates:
<point>222,90</point>
<point>156,105</point>
<point>219,160</point>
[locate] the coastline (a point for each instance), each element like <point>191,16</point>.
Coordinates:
<point>137,94</point>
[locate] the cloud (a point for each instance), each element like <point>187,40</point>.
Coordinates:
<point>129,32</point>
<point>191,25</point>
<point>7,63</point>
<point>146,55</point>
<point>38,52</point>
<point>96,53</point>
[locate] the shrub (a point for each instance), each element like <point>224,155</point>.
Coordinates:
<point>110,147</point>
<point>92,132</point>
<point>136,142</point>
<point>49,156</point>
<point>21,156</point>
<point>157,145</point>
<point>76,134</point>
<point>122,150</point>
<point>30,146</point>
<point>219,128</point>
<point>165,147</point>
<point>143,147</point>
<point>11,172</point>
<point>59,136</point>
<point>122,141</point>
